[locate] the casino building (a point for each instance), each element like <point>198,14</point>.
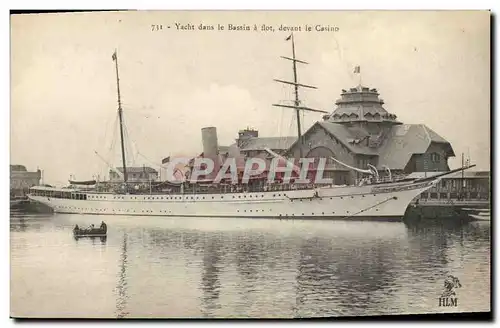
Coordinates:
<point>359,131</point>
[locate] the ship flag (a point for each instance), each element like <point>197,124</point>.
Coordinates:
<point>165,160</point>
<point>114,56</point>
<point>288,38</point>
<point>357,70</point>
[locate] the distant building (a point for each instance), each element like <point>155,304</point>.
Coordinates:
<point>471,185</point>
<point>21,179</point>
<point>140,174</point>
<point>250,145</point>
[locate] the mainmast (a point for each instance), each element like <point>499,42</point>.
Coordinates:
<point>296,85</point>
<point>120,116</point>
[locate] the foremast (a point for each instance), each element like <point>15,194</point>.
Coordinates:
<point>297,103</point>
<point>120,116</point>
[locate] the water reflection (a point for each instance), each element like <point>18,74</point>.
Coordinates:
<point>201,268</point>
<point>93,239</point>
<point>210,282</point>
<point>122,286</point>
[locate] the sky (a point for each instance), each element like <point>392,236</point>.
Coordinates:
<point>430,68</point>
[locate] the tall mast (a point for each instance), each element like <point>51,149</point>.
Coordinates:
<point>120,116</point>
<point>297,101</point>
<point>296,85</point>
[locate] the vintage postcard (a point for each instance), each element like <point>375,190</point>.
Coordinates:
<point>250,164</point>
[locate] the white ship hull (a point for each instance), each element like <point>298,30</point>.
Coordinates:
<point>387,201</point>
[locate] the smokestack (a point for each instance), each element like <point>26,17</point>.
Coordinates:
<point>211,147</point>
<point>210,143</point>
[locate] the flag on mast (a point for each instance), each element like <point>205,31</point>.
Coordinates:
<point>288,38</point>
<point>357,69</point>
<point>114,56</point>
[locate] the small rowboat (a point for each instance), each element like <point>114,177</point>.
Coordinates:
<point>96,232</point>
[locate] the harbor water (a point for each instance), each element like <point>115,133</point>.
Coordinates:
<point>152,267</point>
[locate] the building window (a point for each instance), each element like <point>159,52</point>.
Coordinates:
<point>435,157</point>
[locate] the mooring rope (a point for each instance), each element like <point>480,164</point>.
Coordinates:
<point>368,208</point>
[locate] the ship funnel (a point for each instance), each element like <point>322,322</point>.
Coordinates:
<point>211,149</point>
<point>210,144</point>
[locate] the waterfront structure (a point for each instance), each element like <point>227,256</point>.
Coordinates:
<point>139,174</point>
<point>471,185</point>
<point>21,179</point>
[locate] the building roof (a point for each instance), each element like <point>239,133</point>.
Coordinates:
<point>396,146</point>
<point>274,143</point>
<point>361,104</point>
<point>405,140</point>
<point>348,137</point>
<point>138,169</point>
<point>20,168</point>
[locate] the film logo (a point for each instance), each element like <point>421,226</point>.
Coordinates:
<point>449,296</point>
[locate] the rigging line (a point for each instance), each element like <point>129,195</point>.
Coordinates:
<point>107,126</point>
<point>137,152</point>
<point>113,139</point>
<point>151,162</point>
<point>108,156</point>
<point>126,142</point>
<point>370,207</point>
<point>129,150</point>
